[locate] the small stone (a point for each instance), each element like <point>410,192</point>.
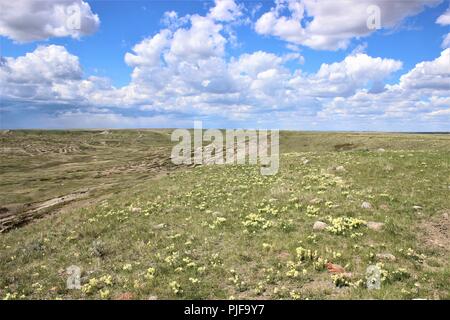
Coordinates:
<point>381,150</point>
<point>315,201</point>
<point>152,298</point>
<point>377,226</point>
<point>347,275</point>
<point>417,208</point>
<point>305,162</point>
<point>284,255</point>
<point>366,205</point>
<point>340,169</point>
<point>125,296</point>
<point>319,225</point>
<point>445,215</point>
<point>159,226</point>
<point>334,268</point>
<point>385,256</point>
<point>136,210</point>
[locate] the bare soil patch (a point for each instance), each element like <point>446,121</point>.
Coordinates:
<point>344,146</point>
<point>16,215</point>
<point>435,231</point>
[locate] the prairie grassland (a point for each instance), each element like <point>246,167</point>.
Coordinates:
<point>225,232</point>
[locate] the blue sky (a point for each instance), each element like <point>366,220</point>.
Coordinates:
<point>288,64</point>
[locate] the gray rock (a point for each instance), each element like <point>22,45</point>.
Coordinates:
<point>319,225</point>
<point>366,205</point>
<point>417,208</point>
<point>385,256</point>
<point>159,226</point>
<point>377,226</point>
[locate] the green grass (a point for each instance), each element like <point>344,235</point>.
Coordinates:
<point>226,231</point>
<point>38,165</point>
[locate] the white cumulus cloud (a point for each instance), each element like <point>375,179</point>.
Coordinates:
<point>331,25</point>
<point>30,20</point>
<point>183,72</point>
<point>225,10</point>
<point>444,20</point>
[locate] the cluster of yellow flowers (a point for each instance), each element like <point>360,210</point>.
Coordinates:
<point>10,296</point>
<point>356,235</point>
<point>175,287</point>
<point>342,225</point>
<point>295,295</point>
<point>320,264</point>
<point>323,180</point>
<point>399,274</point>
<point>344,280</point>
<point>104,293</point>
<point>127,267</point>
<point>384,274</point>
<point>392,276</point>
<point>312,238</point>
<point>153,207</point>
<point>329,204</point>
<point>271,275</point>
<point>150,274</point>
<point>106,279</point>
<point>420,257</point>
<point>269,207</point>
<point>260,288</point>
<point>341,280</point>
<point>295,202</point>
<point>95,284</point>
<point>194,280</point>
<point>172,259</point>
<point>37,287</point>
<point>306,254</point>
<point>215,260</point>
<point>217,222</point>
<point>118,214</point>
<point>312,211</point>
<point>292,270</point>
<point>239,284</point>
<point>255,222</point>
<point>287,225</point>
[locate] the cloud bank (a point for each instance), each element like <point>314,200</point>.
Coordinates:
<point>29,20</point>
<point>183,72</point>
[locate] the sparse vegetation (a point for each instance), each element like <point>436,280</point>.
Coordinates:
<point>226,231</point>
